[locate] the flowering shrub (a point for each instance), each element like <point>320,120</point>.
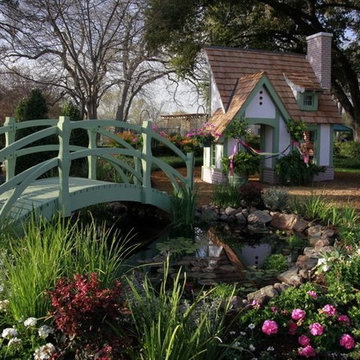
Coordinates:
<point>87,315</point>
<point>26,340</point>
<point>311,324</point>
<point>204,135</point>
<point>128,136</point>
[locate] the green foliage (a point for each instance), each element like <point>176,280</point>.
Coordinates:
<point>277,262</point>
<point>292,170</point>
<point>183,205</point>
<point>236,129</point>
<point>170,328</point>
<point>177,247</point>
<point>275,198</point>
<point>347,149</point>
<point>32,108</point>
<point>243,162</point>
<point>347,163</point>
<point>296,129</point>
<point>311,207</point>
<point>225,195</point>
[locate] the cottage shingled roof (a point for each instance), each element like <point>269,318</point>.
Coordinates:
<point>231,66</point>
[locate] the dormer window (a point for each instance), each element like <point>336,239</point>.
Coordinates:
<point>308,100</point>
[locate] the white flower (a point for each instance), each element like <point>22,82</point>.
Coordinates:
<point>44,352</point>
<point>270,348</point>
<point>9,333</point>
<point>252,347</point>
<point>232,332</point>
<point>251,326</point>
<point>14,342</point>
<point>242,333</point>
<point>1,288</point>
<point>4,305</point>
<point>30,322</point>
<point>44,331</point>
<point>323,263</point>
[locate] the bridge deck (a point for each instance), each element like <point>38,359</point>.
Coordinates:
<point>43,195</point>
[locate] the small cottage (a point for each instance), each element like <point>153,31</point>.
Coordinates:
<point>267,89</point>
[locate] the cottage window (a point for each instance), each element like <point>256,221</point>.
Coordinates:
<point>308,101</point>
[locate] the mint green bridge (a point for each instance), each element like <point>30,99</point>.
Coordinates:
<point>30,191</point>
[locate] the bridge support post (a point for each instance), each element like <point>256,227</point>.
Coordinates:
<point>146,163</point>
<point>64,164</point>
<point>190,169</point>
<point>92,159</point>
<point>9,139</point>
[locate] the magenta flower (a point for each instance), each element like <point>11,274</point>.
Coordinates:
<point>303,340</point>
<point>347,341</point>
<point>344,319</point>
<point>312,294</point>
<point>292,328</point>
<point>270,327</point>
<point>329,310</point>
<point>316,329</point>
<point>274,309</point>
<point>298,314</point>
<point>307,351</point>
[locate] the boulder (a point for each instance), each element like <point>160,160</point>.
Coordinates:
<point>259,216</point>
<point>291,276</point>
<point>262,295</point>
<point>306,262</point>
<point>288,222</point>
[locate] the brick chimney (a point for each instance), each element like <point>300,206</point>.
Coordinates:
<point>319,57</point>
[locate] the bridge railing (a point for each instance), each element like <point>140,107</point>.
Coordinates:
<point>139,173</point>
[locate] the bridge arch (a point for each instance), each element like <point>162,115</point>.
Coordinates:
<point>26,191</point>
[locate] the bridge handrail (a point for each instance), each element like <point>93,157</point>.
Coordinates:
<point>143,160</point>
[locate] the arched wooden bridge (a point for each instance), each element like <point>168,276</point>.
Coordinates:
<point>30,191</point>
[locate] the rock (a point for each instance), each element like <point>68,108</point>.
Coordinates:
<point>280,287</point>
<point>230,211</point>
<point>288,222</point>
<point>259,216</point>
<point>300,225</point>
<point>240,219</point>
<point>291,276</point>
<point>314,231</point>
<point>258,228</point>
<point>305,274</point>
<point>306,262</point>
<point>322,243</point>
<point>262,295</point>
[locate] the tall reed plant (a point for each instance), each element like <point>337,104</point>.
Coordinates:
<point>50,250</point>
<point>226,195</point>
<point>169,328</point>
<point>183,206</point>
<point>313,207</point>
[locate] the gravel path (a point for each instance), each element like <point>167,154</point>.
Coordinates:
<point>344,190</point>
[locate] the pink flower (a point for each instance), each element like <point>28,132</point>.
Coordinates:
<point>255,304</point>
<point>312,294</point>
<point>347,341</point>
<point>344,319</point>
<point>292,328</point>
<point>316,329</point>
<point>269,327</point>
<point>329,310</point>
<point>274,309</point>
<point>303,340</point>
<point>307,351</point>
<point>298,314</point>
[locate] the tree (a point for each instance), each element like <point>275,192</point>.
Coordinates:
<point>82,47</point>
<point>268,24</point>
<point>33,107</point>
